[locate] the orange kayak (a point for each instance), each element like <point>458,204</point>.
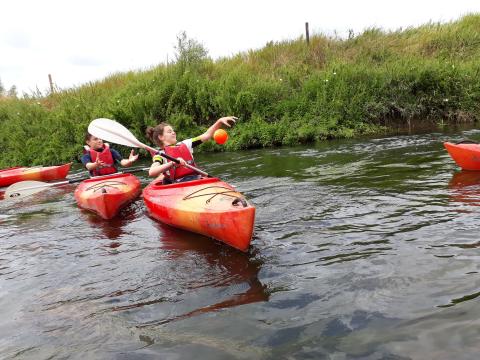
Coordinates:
<point>41,173</point>
<point>106,195</point>
<point>467,156</point>
<point>207,206</point>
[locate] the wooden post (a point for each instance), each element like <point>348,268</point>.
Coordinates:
<point>307,34</point>
<point>51,83</point>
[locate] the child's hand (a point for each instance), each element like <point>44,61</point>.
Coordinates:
<point>132,158</point>
<point>182,162</point>
<point>227,120</point>
<point>99,164</point>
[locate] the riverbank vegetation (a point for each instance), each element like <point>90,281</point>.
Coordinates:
<point>284,94</point>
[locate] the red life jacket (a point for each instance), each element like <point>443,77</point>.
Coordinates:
<point>176,151</point>
<point>106,156</point>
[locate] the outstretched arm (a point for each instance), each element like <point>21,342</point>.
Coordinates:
<point>227,121</point>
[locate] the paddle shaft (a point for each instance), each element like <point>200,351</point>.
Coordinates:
<point>59,183</point>
<point>82,175</point>
<point>51,184</point>
<point>171,158</point>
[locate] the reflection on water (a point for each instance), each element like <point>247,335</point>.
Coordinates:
<point>465,186</point>
<point>464,178</point>
<point>226,267</point>
<point>363,249</point>
<point>114,228</point>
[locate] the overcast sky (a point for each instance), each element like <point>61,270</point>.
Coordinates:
<point>81,41</point>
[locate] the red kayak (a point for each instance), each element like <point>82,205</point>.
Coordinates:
<point>207,206</point>
<point>467,156</point>
<point>106,195</point>
<point>41,173</point>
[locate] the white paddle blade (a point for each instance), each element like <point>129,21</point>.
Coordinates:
<point>112,131</point>
<point>26,188</point>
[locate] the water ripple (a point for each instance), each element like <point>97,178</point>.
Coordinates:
<point>362,249</point>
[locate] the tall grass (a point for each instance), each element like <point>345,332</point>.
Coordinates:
<point>284,93</point>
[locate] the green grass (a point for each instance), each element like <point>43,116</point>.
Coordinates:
<point>286,93</point>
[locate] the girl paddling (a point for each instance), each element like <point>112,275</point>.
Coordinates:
<point>165,138</point>
<point>100,159</point>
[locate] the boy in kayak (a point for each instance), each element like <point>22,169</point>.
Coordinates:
<point>100,159</point>
<point>165,138</point>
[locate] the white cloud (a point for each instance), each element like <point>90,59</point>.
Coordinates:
<point>81,41</point>
<point>17,39</point>
<point>80,60</point>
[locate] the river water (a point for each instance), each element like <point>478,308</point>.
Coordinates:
<point>363,249</point>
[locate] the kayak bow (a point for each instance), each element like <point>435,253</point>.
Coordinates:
<point>467,156</point>
<point>207,206</point>
<point>106,195</point>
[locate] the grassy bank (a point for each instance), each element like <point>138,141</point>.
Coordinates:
<point>284,93</point>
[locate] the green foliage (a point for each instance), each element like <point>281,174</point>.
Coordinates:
<point>189,52</point>
<point>284,94</point>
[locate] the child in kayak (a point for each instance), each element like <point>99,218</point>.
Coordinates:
<point>100,159</point>
<point>165,138</point>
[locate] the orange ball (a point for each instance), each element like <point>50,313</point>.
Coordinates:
<point>220,136</point>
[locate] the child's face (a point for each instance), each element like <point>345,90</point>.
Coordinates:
<point>169,137</point>
<point>95,143</point>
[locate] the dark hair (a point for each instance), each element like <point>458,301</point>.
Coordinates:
<point>153,133</point>
<point>88,136</point>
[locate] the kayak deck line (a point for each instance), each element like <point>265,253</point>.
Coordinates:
<point>105,184</point>
<point>226,193</point>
